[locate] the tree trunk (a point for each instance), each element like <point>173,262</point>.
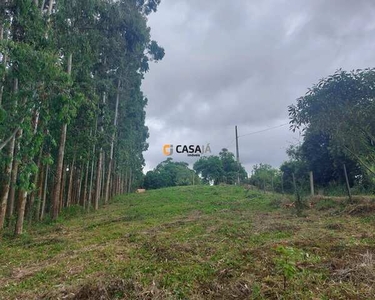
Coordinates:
<point>40,193</point>
<point>50,6</point>
<point>130,181</point>
<point>110,163</point>
<point>44,200</point>
<point>59,171</point>
<point>30,204</point>
<point>90,191</point>
<point>124,183</point>
<point>84,195</point>
<point>8,169</point>
<point>6,185</point>
<point>102,176</point>
<point>62,201</point>
<point>4,62</point>
<point>42,6</point>
<point>60,159</point>
<point>14,176</point>
<point>98,180</point>
<point>70,186</point>
<point>99,171</point>
<point>22,194</point>
<point>79,190</point>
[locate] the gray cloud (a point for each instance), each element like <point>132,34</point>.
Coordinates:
<point>242,63</point>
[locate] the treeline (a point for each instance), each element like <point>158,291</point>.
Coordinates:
<point>169,173</point>
<point>71,108</point>
<point>213,169</point>
<point>336,117</point>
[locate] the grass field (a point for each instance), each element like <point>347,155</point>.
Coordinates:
<point>196,243</point>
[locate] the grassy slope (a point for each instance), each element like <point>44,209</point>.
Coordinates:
<point>193,242</point>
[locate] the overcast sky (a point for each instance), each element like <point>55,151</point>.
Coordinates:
<point>242,62</point>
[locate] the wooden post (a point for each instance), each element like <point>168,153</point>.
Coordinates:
<point>347,183</point>
<point>312,183</point>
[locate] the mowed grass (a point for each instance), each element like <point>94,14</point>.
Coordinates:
<point>197,242</point>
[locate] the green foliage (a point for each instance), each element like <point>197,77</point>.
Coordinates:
<point>169,173</point>
<point>220,169</point>
<point>266,178</point>
<point>286,262</point>
<point>110,46</point>
<point>341,107</point>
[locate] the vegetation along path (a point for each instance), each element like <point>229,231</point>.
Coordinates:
<point>197,242</point>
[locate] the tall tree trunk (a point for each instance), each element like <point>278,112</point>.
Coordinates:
<point>30,204</point>
<point>14,176</point>
<point>79,190</point>
<point>44,199</point>
<point>124,183</point>
<point>7,172</point>
<point>70,186</point>
<point>4,62</point>
<point>119,184</point>
<point>22,194</point>
<point>84,195</point>
<point>60,159</point>
<point>62,201</point>
<point>130,181</point>
<point>6,185</point>
<point>90,190</point>
<point>118,190</point>
<point>102,176</point>
<point>98,180</point>
<point>25,183</point>
<point>40,193</point>
<point>106,197</point>
<point>99,171</point>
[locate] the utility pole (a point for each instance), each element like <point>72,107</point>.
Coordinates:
<point>238,157</point>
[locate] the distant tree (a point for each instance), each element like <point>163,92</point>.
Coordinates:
<point>264,176</point>
<point>220,169</point>
<point>169,173</point>
<point>210,168</point>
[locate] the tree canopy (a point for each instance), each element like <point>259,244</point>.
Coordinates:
<point>72,113</point>
<point>169,173</point>
<point>220,169</point>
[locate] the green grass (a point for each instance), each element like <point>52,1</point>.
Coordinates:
<point>197,242</point>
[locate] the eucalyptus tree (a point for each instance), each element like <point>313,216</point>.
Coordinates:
<point>72,113</point>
